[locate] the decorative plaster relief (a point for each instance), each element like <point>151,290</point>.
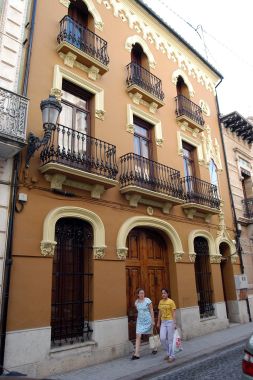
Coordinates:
<point>211,148</point>
<point>70,59</point>
<point>192,257</point>
<point>122,253</point>
<point>181,73</point>
<point>192,140</point>
<point>132,110</point>
<point>61,73</point>
<point>65,3</point>
<point>130,41</point>
<point>205,107</point>
<point>92,72</point>
<point>163,42</point>
<point>47,248</point>
<point>98,253</point>
<point>178,256</point>
<point>215,259</point>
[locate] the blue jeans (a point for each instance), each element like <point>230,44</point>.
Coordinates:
<point>166,336</point>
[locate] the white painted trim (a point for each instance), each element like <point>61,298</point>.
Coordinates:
<point>131,40</point>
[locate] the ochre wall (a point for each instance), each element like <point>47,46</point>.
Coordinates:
<point>30,301</point>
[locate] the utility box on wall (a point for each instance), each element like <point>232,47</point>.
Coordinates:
<point>241,281</point>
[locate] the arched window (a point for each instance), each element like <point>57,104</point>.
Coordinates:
<point>139,57</point>
<point>203,278</point>
<point>182,88</point>
<point>71,283</point>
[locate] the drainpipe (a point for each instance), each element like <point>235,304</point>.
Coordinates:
<point>13,198</point>
<point>238,244</point>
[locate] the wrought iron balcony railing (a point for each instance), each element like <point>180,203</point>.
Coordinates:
<point>201,192</point>
<point>142,172</point>
<point>137,75</point>
<point>72,148</point>
<point>83,39</point>
<point>13,115</point>
<point>185,107</point>
<point>248,208</point>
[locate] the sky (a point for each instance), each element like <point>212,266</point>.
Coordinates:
<point>227,35</point>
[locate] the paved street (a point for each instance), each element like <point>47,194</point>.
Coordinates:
<point>225,365</point>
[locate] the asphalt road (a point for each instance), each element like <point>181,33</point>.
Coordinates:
<point>225,365</point>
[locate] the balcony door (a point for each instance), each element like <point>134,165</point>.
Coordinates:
<point>142,150</point>
<point>74,122</point>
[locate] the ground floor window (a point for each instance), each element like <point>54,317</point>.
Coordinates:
<point>203,278</point>
<point>72,282</point>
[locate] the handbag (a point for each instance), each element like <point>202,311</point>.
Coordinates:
<point>154,341</point>
<point>177,342</point>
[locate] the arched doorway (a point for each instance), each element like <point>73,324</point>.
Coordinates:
<point>182,88</point>
<point>71,284</point>
<point>146,267</point>
<point>203,277</point>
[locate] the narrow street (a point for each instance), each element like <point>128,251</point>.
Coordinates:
<point>223,365</point>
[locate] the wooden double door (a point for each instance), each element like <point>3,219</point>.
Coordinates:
<point>146,267</point>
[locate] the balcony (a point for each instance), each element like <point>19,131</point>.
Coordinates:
<point>80,44</point>
<point>74,159</point>
<point>141,84</point>
<point>149,182</point>
<point>13,121</point>
<point>248,208</point>
<point>189,112</point>
<point>202,198</point>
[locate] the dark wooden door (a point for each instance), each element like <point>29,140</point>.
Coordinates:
<point>146,267</point>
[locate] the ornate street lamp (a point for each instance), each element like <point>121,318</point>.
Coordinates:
<point>51,109</point>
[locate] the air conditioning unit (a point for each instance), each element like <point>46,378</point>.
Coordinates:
<point>241,281</point>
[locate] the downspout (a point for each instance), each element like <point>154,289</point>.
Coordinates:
<point>238,244</point>
<point>13,198</point>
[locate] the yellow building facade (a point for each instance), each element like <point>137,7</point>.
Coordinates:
<point>128,189</point>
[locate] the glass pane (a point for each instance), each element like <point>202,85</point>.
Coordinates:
<point>140,131</point>
<point>137,147</point>
<point>66,115</point>
<point>81,122</point>
<point>144,149</point>
<point>74,100</point>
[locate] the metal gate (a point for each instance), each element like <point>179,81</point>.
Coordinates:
<point>71,286</point>
<point>203,278</point>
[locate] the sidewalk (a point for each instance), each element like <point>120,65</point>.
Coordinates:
<point>125,369</point>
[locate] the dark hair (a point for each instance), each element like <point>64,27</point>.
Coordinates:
<point>139,290</point>
<point>165,290</point>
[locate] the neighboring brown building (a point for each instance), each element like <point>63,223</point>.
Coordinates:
<point>238,138</point>
<point>129,189</point>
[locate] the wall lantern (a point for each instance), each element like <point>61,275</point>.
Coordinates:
<point>50,109</point>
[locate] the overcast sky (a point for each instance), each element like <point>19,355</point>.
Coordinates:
<point>229,41</point>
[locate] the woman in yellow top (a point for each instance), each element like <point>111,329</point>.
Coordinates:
<point>167,323</point>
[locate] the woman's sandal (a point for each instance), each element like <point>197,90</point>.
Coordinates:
<point>154,352</point>
<point>134,357</point>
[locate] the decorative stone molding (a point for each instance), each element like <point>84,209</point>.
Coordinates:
<point>57,93</point>
<point>47,248</point>
<point>133,110</point>
<point>149,221</point>
<point>234,258</point>
<point>150,210</point>
<point>194,141</point>
<point>178,256</point>
<point>61,73</point>
<point>159,142</point>
<point>71,212</point>
<point>192,257</point>
<point>205,107</point>
<point>211,148</point>
<point>122,253</point>
<point>215,259</point>
<point>93,73</point>
<point>70,59</point>
<point>153,107</point>
<point>163,41</point>
<point>203,233</point>
<point>130,41</point>
<point>65,3</point>
<point>100,114</point>
<point>56,180</point>
<point>137,98</point>
<point>182,74</point>
<point>98,253</point>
